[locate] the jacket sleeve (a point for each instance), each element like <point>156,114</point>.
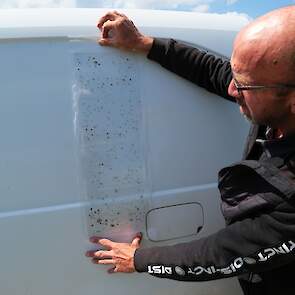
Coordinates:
<point>199,67</point>
<point>254,244</point>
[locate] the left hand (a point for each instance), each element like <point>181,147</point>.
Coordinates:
<point>118,30</point>
<point>120,255</point>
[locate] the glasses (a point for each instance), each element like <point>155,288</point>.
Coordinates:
<point>241,87</point>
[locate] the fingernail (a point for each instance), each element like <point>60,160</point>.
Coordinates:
<point>111,270</point>
<point>94,239</point>
<point>139,235</point>
<point>87,254</point>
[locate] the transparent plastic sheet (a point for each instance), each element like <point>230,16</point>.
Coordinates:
<point>111,144</point>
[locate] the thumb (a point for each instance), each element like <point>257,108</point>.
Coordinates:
<point>106,42</point>
<point>137,240</point>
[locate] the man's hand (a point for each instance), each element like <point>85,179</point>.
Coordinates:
<point>119,31</point>
<point>120,255</point>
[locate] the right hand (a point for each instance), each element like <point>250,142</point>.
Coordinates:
<point>120,255</point>
<point>118,30</point>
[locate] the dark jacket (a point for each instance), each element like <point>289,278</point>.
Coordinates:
<point>258,200</point>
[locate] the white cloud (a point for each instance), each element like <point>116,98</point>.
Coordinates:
<point>37,3</point>
<point>246,17</point>
<point>183,5</point>
<point>148,4</point>
<point>230,2</point>
<point>201,8</point>
<point>200,5</point>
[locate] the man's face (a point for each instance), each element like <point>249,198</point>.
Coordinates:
<point>261,106</point>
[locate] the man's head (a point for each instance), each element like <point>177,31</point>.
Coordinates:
<point>264,54</point>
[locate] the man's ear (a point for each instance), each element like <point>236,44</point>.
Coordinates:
<point>293,103</point>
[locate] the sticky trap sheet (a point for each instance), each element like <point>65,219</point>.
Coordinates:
<point>110,131</point>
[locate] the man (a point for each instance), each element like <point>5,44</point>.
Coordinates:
<point>258,193</point>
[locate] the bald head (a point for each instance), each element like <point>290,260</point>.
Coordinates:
<point>268,44</point>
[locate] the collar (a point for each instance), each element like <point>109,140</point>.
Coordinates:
<point>280,147</point>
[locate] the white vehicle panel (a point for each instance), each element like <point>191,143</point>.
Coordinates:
<point>187,135</point>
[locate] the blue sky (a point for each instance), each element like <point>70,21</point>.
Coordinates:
<point>252,8</point>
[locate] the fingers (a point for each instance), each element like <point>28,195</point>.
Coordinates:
<point>94,239</point>
<point>100,254</point>
<point>120,255</point>
<point>111,245</point>
<point>106,28</point>
<point>137,240</point>
<point>105,42</point>
<point>107,243</point>
<point>112,270</point>
<point>104,242</point>
<point>119,31</point>
<point>107,34</point>
<point>110,16</point>
<point>103,261</point>
<point>90,253</point>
